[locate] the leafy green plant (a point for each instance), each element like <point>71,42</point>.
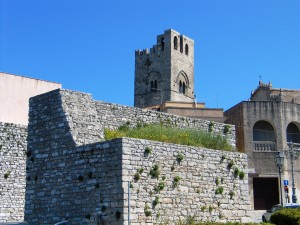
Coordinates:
<point>160,186</point>
<point>210,209</point>
<point>155,201</point>
<point>7,174</point>
<point>226,129</point>
<point>241,175</point>
<point>176,181</point>
<point>217,181</point>
<point>230,164</point>
<point>141,170</point>
<point>179,157</point>
<point>148,150</point>
<point>211,126</point>
<point>136,176</point>
<point>223,157</point>
<point>236,172</point>
<point>155,171</point>
<point>219,191</point>
<point>147,210</point>
<point>203,208</point>
<point>231,194</point>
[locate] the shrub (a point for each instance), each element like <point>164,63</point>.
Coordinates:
<point>179,157</point>
<point>219,190</point>
<point>155,201</point>
<point>236,172</point>
<point>226,129</point>
<point>230,164</point>
<point>176,181</point>
<point>210,126</point>
<point>160,186</point>
<point>148,150</point>
<point>6,175</point>
<point>136,177</point>
<point>155,171</point>
<point>241,175</point>
<point>286,216</point>
<point>147,210</point>
<point>231,194</point>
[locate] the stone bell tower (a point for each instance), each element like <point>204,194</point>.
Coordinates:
<point>166,72</point>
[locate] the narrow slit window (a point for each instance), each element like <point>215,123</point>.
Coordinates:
<point>175,43</point>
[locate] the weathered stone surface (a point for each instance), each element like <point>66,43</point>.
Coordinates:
<point>13,146</point>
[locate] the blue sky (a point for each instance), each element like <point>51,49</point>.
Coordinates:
<point>88,45</point>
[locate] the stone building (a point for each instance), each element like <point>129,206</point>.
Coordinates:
<point>264,125</point>
<point>164,78</point>
<point>15,92</point>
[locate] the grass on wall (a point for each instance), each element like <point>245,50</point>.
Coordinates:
<point>158,132</point>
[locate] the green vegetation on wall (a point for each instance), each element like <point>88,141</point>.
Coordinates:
<point>158,132</point>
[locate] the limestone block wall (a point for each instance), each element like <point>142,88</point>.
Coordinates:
<point>172,182</point>
<point>13,146</point>
<point>82,185</point>
<point>83,119</point>
<point>89,184</point>
<point>87,118</point>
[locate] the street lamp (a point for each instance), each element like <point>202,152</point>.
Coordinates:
<point>279,162</point>
<point>293,157</point>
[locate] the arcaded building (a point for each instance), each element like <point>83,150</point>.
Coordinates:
<point>264,126</point>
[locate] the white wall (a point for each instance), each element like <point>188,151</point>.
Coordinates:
<point>15,92</point>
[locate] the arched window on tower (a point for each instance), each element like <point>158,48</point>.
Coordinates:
<point>162,43</point>
<point>182,87</point>
<point>175,43</point>
<point>181,44</point>
<point>186,49</point>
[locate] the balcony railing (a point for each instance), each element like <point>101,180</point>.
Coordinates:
<point>264,146</point>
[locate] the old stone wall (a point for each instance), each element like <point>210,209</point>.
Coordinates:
<point>172,182</point>
<point>81,184</point>
<point>72,175</point>
<point>89,184</point>
<point>85,118</point>
<point>13,146</point>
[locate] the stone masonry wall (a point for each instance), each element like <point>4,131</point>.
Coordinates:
<point>87,118</point>
<point>13,146</point>
<point>208,189</point>
<point>71,175</point>
<point>89,184</point>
